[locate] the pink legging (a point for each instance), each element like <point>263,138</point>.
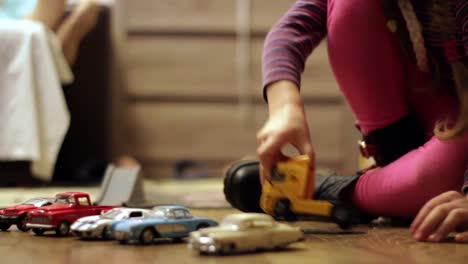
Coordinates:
<point>381,86</point>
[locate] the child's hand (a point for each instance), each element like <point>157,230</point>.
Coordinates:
<point>286,125</point>
<point>440,216</point>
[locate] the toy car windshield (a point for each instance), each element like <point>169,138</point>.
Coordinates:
<point>38,202</point>
<point>230,223</point>
<point>159,213</point>
<point>114,214</point>
<point>64,200</point>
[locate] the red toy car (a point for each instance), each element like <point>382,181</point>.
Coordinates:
<point>67,208</point>
<point>16,215</point>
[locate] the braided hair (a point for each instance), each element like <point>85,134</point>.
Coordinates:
<point>442,19</point>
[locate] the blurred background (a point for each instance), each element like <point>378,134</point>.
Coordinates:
<point>176,84</point>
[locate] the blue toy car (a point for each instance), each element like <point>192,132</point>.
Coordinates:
<point>172,221</point>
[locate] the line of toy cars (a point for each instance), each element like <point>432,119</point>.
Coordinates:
<point>131,224</point>
<point>73,212</point>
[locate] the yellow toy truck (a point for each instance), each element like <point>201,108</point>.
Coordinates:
<point>289,191</point>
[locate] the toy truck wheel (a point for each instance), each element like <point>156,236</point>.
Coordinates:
<point>283,210</point>
<point>63,228</point>
<point>4,227</point>
<point>341,215</point>
<point>38,231</point>
<point>21,223</point>
<point>147,236</point>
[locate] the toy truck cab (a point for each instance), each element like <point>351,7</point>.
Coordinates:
<point>289,193</point>
<point>67,208</point>
<point>73,199</point>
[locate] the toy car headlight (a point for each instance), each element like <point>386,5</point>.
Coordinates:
<point>206,240</point>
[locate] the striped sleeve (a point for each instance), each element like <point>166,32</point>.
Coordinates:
<point>292,39</point>
<point>461,17</point>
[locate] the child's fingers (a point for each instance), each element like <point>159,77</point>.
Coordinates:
<point>433,220</point>
<point>454,219</point>
<point>269,152</point>
<point>462,237</point>
<point>429,206</point>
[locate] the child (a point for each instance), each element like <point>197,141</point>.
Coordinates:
<point>400,77</point>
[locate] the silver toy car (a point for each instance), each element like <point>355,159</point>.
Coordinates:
<point>244,232</point>
<point>97,226</point>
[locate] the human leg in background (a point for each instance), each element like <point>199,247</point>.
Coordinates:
<point>73,28</point>
<point>373,75</point>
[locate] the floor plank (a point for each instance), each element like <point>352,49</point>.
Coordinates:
<point>374,245</point>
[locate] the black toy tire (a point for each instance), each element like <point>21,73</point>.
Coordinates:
<point>144,240</point>
<point>242,188</point>
<point>341,215</point>
<point>21,223</point>
<point>104,234</point>
<point>38,231</point>
<point>283,211</point>
<point>4,226</point>
<point>63,229</point>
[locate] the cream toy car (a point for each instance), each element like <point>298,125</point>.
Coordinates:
<point>244,232</point>
<point>98,226</point>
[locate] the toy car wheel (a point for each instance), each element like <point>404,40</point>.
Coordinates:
<point>63,228</point>
<point>178,240</point>
<point>38,231</point>
<point>226,248</point>
<point>283,210</point>
<point>21,223</point>
<point>341,216</point>
<point>4,227</point>
<point>147,236</point>
<point>105,233</point>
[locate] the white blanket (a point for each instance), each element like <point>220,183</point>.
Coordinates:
<point>34,116</point>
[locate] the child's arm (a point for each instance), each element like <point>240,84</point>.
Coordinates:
<point>287,46</point>
<point>291,40</point>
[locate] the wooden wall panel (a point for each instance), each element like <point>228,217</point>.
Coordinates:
<point>266,12</point>
<point>181,15</point>
<point>200,15</point>
<point>171,131</point>
<point>194,67</point>
<point>205,67</point>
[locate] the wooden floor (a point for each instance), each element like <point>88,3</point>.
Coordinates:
<point>373,245</point>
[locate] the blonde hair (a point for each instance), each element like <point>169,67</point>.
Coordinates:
<point>443,20</point>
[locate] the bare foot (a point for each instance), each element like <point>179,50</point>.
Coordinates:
<point>75,27</point>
